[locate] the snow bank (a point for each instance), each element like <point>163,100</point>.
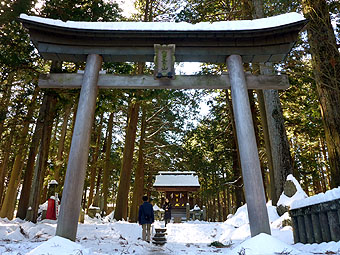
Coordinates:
<point>263,244</point>
<point>329,195</point>
<point>241,216</point>
<point>300,194</point>
<point>58,245</point>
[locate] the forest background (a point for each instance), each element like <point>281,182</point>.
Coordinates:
<point>137,133</point>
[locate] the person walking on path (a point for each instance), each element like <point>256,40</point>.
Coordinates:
<point>146,218</point>
<point>167,211</point>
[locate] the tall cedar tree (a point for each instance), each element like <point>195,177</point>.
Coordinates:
<point>326,67</point>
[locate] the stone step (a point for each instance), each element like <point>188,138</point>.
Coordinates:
<point>160,230</point>
<point>156,238</point>
<point>159,235</point>
<point>159,242</point>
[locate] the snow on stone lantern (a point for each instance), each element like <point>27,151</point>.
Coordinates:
<point>52,186</point>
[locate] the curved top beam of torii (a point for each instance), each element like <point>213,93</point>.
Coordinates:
<point>261,40</point>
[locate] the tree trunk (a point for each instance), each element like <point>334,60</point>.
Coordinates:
<point>225,204</point>
<point>37,136</point>
<point>326,68</point>
<point>282,161</point>
<point>220,213</point>
<point>40,168</point>
<point>4,165</point>
<point>257,11</point>
<point>83,204</point>
<point>125,174</point>
<point>324,156</point>
<point>59,159</point>
<point>305,184</point>
<point>7,209</point>
<point>44,190</point>
<point>229,202</point>
<point>106,172</point>
<point>316,183</point>
<point>276,143</point>
<point>149,181</point>
<point>5,101</point>
<point>67,149</point>
<point>322,177</point>
<point>214,208</point>
<point>139,176</point>
<point>26,187</point>
<point>271,180</point>
<point>94,164</point>
<point>239,196</point>
<point>96,197</point>
<point>208,209</point>
<point>4,104</point>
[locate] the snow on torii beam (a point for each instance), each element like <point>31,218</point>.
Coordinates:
<point>230,42</point>
<point>261,40</point>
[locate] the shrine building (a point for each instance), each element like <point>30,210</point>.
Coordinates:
<point>179,188</point>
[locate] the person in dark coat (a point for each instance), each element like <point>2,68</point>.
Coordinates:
<point>146,218</point>
<point>167,211</point>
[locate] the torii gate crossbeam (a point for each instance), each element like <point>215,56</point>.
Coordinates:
<point>230,42</point>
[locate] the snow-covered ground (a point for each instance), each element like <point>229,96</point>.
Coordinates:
<point>104,236</point>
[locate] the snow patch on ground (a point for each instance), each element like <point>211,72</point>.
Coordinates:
<point>59,245</point>
<point>106,236</point>
<point>263,244</point>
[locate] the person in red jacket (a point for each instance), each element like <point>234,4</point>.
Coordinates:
<point>146,218</point>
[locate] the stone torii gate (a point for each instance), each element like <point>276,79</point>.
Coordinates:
<point>230,42</point>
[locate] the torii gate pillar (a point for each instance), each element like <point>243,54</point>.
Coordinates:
<point>77,162</point>
<point>251,171</point>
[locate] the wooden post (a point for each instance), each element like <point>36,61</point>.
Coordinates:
<point>250,163</point>
<point>295,226</point>
<point>325,230</point>
<point>204,213</point>
<point>333,220</point>
<point>316,228</point>
<point>187,212</point>
<point>76,167</point>
<point>302,229</point>
<point>309,227</point>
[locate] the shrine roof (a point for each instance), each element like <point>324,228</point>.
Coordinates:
<point>176,179</point>
<point>260,40</point>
